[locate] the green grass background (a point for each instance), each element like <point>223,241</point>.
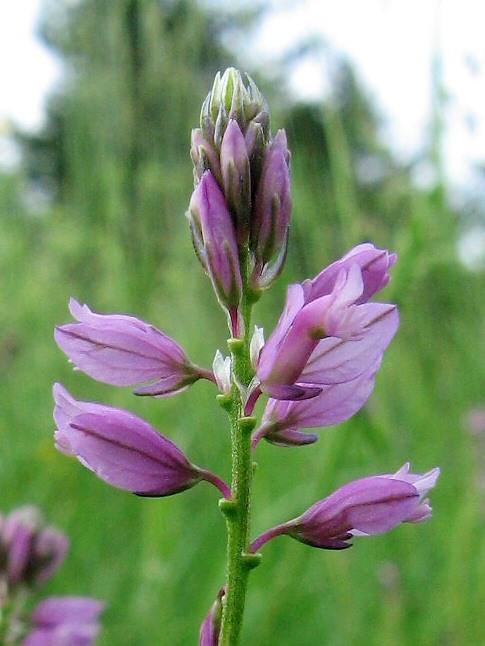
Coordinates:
<point>158,564</point>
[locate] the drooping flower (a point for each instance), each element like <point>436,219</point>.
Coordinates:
<point>328,332</point>
<point>124,450</point>
<point>365,507</point>
<point>30,551</point>
<point>335,403</point>
<point>124,351</point>
<point>65,621</point>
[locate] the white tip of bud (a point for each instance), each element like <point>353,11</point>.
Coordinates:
<point>256,345</point>
<point>222,372</point>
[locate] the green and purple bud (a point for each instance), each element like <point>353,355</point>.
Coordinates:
<point>232,98</point>
<point>271,214</point>
<point>236,179</point>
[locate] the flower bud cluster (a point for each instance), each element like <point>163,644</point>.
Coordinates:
<point>30,553</point>
<point>240,210</point>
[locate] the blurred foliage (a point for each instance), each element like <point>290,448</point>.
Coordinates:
<point>114,163</point>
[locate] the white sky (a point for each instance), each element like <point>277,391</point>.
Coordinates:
<point>391,41</point>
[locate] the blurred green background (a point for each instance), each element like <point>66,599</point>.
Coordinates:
<point>96,211</point>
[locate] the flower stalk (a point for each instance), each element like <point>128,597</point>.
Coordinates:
<point>317,367</point>
<point>238,510</point>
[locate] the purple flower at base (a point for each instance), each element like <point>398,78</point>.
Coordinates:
<point>336,403</point>
<point>124,450</point>
<point>365,507</point>
<point>65,621</point>
<point>30,552</point>
<point>124,351</point>
<point>328,333</point>
<point>211,626</point>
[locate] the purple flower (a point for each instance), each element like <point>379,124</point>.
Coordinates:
<point>364,507</point>
<point>65,621</point>
<point>29,551</point>
<point>124,450</point>
<point>328,333</point>
<point>214,238</point>
<point>124,351</point>
<point>336,403</point>
<point>211,626</point>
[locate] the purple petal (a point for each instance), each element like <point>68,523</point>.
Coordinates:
<point>335,404</point>
<point>124,351</point>
<point>374,264</point>
<point>65,621</point>
<point>336,360</point>
<point>121,448</point>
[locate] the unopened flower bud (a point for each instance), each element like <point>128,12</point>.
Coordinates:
<point>272,210</point>
<point>231,98</point>
<point>204,156</point>
<point>214,236</point>
<point>236,179</point>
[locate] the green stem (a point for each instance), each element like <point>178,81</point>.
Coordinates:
<point>238,509</point>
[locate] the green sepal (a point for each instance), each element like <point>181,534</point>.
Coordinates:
<point>247,424</point>
<point>228,508</point>
<point>252,560</point>
<point>225,401</point>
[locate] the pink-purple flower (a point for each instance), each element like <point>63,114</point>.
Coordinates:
<point>125,351</point>
<point>328,332</point>
<point>65,621</point>
<point>335,403</point>
<point>365,507</point>
<point>124,450</point>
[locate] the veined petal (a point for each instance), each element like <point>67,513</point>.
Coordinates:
<point>125,351</point>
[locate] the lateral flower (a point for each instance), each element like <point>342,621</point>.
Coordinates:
<point>336,403</point>
<point>328,332</point>
<point>365,507</point>
<point>124,450</point>
<point>124,351</point>
<point>72,621</point>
